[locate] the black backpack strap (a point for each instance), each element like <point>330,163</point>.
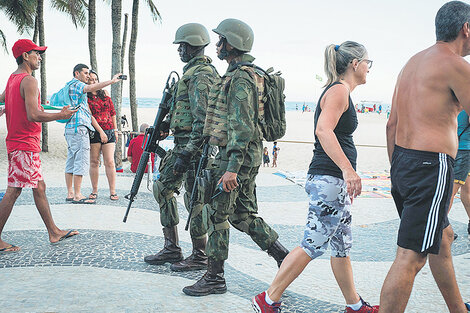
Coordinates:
<point>463,131</point>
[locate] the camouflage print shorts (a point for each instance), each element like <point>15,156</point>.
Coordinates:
<point>329,217</point>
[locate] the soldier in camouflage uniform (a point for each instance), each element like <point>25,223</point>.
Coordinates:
<point>232,125</point>
<point>186,120</point>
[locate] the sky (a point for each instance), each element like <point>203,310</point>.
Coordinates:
<point>290,36</point>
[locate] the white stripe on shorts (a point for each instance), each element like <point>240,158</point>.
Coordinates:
<point>433,214</point>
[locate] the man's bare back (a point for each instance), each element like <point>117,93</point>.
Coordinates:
<point>429,94</point>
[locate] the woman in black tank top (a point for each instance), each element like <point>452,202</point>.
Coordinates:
<point>332,181</point>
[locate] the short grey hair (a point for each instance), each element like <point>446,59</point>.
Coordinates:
<point>449,20</point>
<point>143,127</point>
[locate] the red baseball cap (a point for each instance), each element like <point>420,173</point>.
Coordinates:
<point>25,45</point>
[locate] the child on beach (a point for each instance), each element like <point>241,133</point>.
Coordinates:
<point>275,154</point>
<point>265,157</point>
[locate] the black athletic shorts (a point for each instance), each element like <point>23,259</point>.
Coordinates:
<point>421,188</point>
<point>96,138</point>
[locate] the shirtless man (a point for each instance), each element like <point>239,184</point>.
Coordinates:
<point>431,90</point>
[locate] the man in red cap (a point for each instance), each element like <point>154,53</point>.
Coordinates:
<point>24,115</point>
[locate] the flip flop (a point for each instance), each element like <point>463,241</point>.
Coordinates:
<point>114,197</point>
<point>93,196</point>
<point>7,249</point>
<point>68,199</point>
<point>84,201</point>
<point>67,235</point>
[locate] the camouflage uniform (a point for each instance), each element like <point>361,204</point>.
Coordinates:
<point>329,217</point>
<point>189,140</point>
<point>232,123</point>
<point>241,155</point>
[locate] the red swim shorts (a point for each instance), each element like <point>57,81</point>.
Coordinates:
<point>24,169</point>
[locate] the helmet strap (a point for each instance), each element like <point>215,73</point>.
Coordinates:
<point>187,55</point>
<point>224,53</point>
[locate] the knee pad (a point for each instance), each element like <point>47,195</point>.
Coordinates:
<point>160,193</point>
<point>242,223</point>
<point>216,227</point>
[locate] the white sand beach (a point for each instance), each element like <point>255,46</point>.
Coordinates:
<point>293,157</point>
<point>297,156</point>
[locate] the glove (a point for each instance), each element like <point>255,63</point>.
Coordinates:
<point>182,162</point>
<point>165,126</point>
<point>164,130</point>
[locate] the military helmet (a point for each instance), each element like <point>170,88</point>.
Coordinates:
<point>193,33</point>
<point>238,34</point>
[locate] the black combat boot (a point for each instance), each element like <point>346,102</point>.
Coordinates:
<point>278,252</point>
<point>196,261</point>
<point>171,252</point>
<point>212,281</point>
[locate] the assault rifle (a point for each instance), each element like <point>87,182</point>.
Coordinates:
<point>152,136</point>
<point>198,176</point>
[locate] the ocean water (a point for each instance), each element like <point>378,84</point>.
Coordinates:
<point>154,102</point>
<point>290,105</point>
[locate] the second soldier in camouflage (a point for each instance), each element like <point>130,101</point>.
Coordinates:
<point>232,125</point>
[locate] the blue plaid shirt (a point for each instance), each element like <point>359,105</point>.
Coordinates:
<point>79,99</point>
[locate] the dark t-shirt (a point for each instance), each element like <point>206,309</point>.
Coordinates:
<point>321,163</point>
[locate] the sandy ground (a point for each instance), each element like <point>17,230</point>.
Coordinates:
<point>292,157</point>
<point>297,156</point>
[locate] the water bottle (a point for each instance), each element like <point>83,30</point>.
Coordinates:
<point>156,165</point>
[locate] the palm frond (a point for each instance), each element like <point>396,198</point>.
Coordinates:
<point>75,9</point>
<point>154,11</point>
<point>3,41</point>
<point>21,13</point>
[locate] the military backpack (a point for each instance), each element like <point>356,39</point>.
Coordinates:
<point>271,107</point>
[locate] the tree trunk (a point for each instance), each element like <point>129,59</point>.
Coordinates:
<point>92,34</point>
<point>42,42</point>
<point>35,34</point>
<point>124,42</point>
<point>132,47</point>
<point>123,50</point>
<point>36,29</point>
<point>116,7</point>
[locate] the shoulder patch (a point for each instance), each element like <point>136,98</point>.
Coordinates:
<point>201,86</point>
<point>241,95</point>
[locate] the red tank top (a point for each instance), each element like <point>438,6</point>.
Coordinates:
<point>22,134</point>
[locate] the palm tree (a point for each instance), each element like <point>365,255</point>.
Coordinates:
<point>116,8</point>
<point>21,14</point>
<point>92,34</point>
<point>132,47</point>
<point>123,48</point>
<point>3,41</point>
<point>42,42</point>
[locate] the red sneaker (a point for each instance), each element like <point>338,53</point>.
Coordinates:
<point>365,308</point>
<point>261,306</point>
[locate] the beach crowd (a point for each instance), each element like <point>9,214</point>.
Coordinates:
<point>428,145</point>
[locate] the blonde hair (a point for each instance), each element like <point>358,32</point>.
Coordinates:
<point>338,57</point>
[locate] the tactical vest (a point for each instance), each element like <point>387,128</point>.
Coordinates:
<point>216,125</point>
<point>181,116</point>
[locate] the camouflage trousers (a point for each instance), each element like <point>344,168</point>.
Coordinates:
<point>165,188</point>
<point>329,217</point>
<point>239,208</point>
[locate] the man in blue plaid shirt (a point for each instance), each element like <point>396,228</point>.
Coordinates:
<point>76,132</point>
